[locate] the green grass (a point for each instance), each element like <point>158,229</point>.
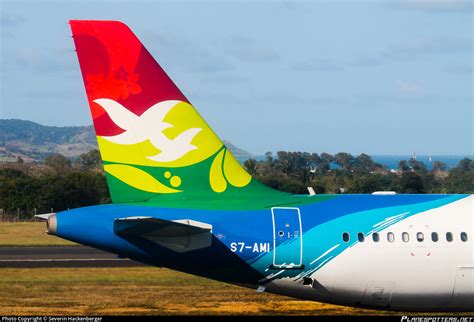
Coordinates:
<point>133,291</point>
<point>146,291</point>
<point>139,291</point>
<point>28,234</point>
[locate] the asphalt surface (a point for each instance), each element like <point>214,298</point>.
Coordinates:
<point>60,256</point>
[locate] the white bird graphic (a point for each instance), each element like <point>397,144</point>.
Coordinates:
<point>149,126</point>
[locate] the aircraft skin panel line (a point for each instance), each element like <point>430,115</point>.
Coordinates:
<point>181,200</point>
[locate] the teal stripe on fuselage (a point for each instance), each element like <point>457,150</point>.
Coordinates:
<point>323,242</point>
<point>321,221</point>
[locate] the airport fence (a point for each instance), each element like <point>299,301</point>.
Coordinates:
<point>19,216</point>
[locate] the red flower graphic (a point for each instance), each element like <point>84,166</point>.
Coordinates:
<point>117,84</point>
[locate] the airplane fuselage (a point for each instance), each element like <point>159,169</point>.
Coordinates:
<point>181,200</point>
<point>398,252</point>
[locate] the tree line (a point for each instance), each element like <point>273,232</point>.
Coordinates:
<point>60,183</point>
<point>344,173</point>
<point>57,184</point>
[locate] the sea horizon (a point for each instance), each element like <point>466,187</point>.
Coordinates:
<point>391,161</point>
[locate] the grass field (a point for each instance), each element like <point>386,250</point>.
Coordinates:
<point>128,291</point>
<point>140,291</point>
<point>133,291</point>
<point>28,234</point>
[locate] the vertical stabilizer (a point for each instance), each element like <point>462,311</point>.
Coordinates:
<point>151,139</point>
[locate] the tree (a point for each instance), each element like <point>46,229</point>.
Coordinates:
<point>461,178</point>
<point>466,165</point>
<point>403,166</point>
<point>67,187</point>
<point>251,166</point>
<point>458,182</point>
<point>326,160</point>
<point>438,166</point>
<point>58,162</point>
<point>369,183</point>
<point>268,157</point>
<point>345,160</point>
<point>90,160</point>
<point>8,173</point>
<point>411,182</point>
<point>418,166</point>
<point>284,183</point>
<point>364,163</point>
<point>294,164</point>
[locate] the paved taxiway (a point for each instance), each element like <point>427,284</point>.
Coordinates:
<point>60,256</point>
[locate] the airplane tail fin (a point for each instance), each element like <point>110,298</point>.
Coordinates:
<point>151,139</point>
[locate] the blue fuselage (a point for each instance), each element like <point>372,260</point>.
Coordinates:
<point>244,242</point>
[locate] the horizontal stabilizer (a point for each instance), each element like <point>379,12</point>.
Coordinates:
<point>178,235</point>
<point>45,216</point>
<point>384,193</point>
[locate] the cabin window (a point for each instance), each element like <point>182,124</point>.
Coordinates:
<point>391,237</point>
<point>405,237</point>
<point>360,237</point>
<point>375,237</point>
<point>434,237</point>
<point>464,237</point>
<point>449,237</point>
<point>420,237</point>
<point>345,237</point>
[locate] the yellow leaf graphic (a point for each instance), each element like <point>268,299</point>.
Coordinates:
<point>234,172</point>
<point>137,178</point>
<point>216,177</point>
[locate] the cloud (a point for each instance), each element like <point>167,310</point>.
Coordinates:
<point>460,69</point>
<point>434,5</point>
<point>413,50</point>
<point>405,87</point>
<point>185,54</point>
<point>235,77</point>
<point>409,50</point>
<point>366,61</point>
<point>247,50</point>
<point>211,57</point>
<point>10,20</point>
<point>324,65</point>
<point>432,46</point>
<point>44,61</point>
<point>289,5</point>
<point>404,94</point>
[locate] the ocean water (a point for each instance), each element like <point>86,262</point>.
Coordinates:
<point>391,161</point>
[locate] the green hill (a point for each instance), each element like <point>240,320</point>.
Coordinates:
<point>31,141</point>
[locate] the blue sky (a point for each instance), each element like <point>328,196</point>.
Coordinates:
<point>379,77</point>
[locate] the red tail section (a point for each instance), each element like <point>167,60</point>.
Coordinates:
<point>115,65</point>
